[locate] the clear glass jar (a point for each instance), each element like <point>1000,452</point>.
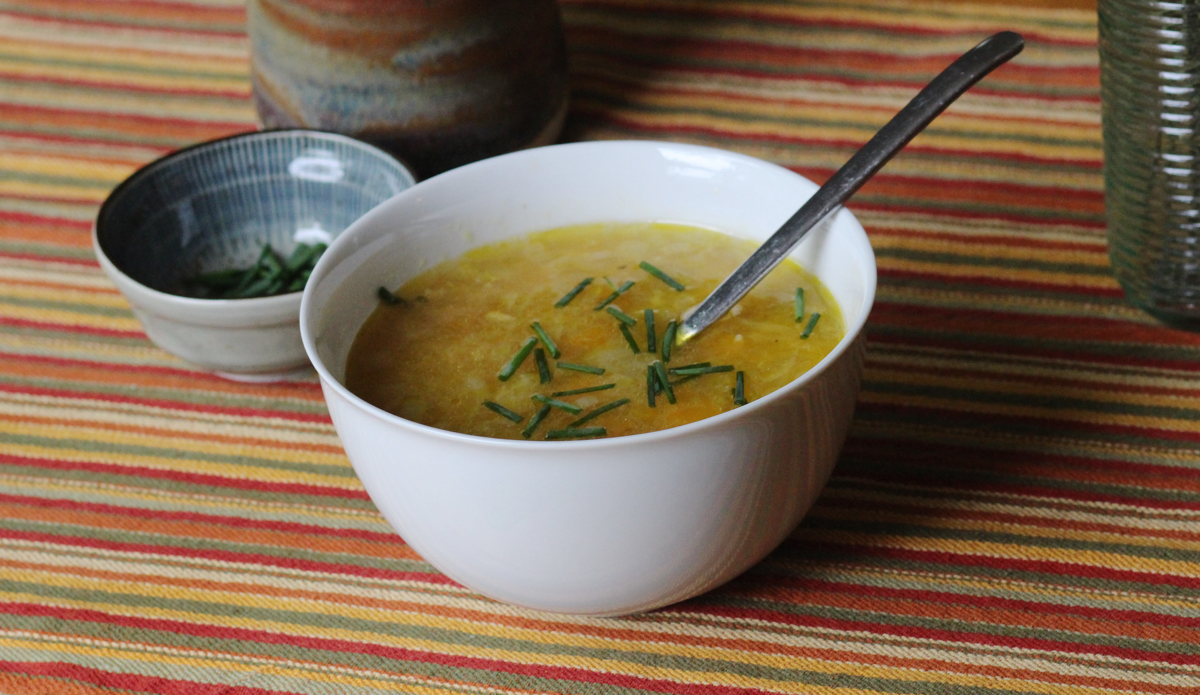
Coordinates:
<point>1150,93</point>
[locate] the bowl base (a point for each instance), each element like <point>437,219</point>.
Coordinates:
<point>268,377</point>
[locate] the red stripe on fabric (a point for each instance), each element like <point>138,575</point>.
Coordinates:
<point>61,260</point>
<point>1009,564</point>
<point>37,113</point>
<point>772,582</point>
<point>701,608</point>
<point>893,449</point>
<point>30,218</point>
<point>257,390</point>
<point>993,421</point>
<point>535,671</point>
<point>676,129</point>
<point>228,557</point>
<point>125,87</point>
<point>880,229</point>
<point>384,538</point>
<point>68,328</point>
<point>183,477</point>
<point>130,682</point>
<point>977,30</point>
<point>263,413</point>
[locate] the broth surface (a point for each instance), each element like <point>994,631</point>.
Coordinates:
<point>434,357</point>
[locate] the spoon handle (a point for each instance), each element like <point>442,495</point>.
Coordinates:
<point>971,67</point>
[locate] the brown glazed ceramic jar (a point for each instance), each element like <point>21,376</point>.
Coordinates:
<point>438,83</point>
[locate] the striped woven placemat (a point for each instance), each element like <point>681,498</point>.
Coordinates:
<point>1015,511</point>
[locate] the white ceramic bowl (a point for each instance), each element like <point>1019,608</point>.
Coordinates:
<point>212,207</point>
<point>606,526</point>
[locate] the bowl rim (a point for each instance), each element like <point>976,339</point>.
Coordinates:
<point>854,332</point>
<point>279,303</point>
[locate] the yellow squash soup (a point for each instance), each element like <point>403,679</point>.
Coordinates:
<point>457,347</point>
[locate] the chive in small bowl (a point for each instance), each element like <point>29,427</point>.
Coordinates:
<point>211,245</point>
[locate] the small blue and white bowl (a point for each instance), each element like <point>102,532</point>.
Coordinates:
<point>212,207</point>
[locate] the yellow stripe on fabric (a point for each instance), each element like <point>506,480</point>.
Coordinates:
<point>181,426</point>
<point>983,407</point>
<point>59,295</point>
<point>1030,529</point>
<point>65,167</point>
<point>508,632</point>
<point>967,247</point>
<point>1008,551</point>
<point>741,629</point>
<point>991,386</point>
<point>193,442</point>
<point>26,29</point>
<point>53,488</point>
<point>234,471</point>
<point>131,58</point>
<point>221,668</point>
<point>1000,273</point>
<point>1062,25</point>
<point>69,318</point>
<point>191,109</point>
<point>1100,375</point>
<point>773,130</point>
<point>118,78</point>
<point>317,431</point>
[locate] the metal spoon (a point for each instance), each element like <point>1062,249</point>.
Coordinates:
<point>904,126</point>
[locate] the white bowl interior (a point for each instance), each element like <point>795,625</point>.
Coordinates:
<point>562,185</point>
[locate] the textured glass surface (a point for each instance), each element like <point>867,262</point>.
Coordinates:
<point>1150,70</point>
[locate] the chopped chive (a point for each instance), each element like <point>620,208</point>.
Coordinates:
<point>253,289</point>
<point>688,366</point>
<point>561,405</point>
<point>648,315</point>
<point>661,276</point>
<point>629,338</point>
<point>517,359</point>
<point>535,421</point>
<point>387,297</point>
<point>610,284</point>
<point>616,293</point>
<point>668,341</point>
<point>812,323</point>
<point>598,412</point>
<point>576,392</point>
<point>268,261</point>
<point>661,371</point>
<point>539,358</point>
<point>621,316</point>
<point>551,347</point>
<point>696,371</point>
<point>651,385</point>
<point>566,299</point>
<point>685,379</point>
<point>607,300</point>
<point>570,433</point>
<point>304,256</point>
<point>739,391</point>
<point>799,309</point>
<point>497,408</point>
<point>221,279</point>
<point>580,368</point>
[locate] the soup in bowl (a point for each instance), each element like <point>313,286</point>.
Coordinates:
<point>597,525</point>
